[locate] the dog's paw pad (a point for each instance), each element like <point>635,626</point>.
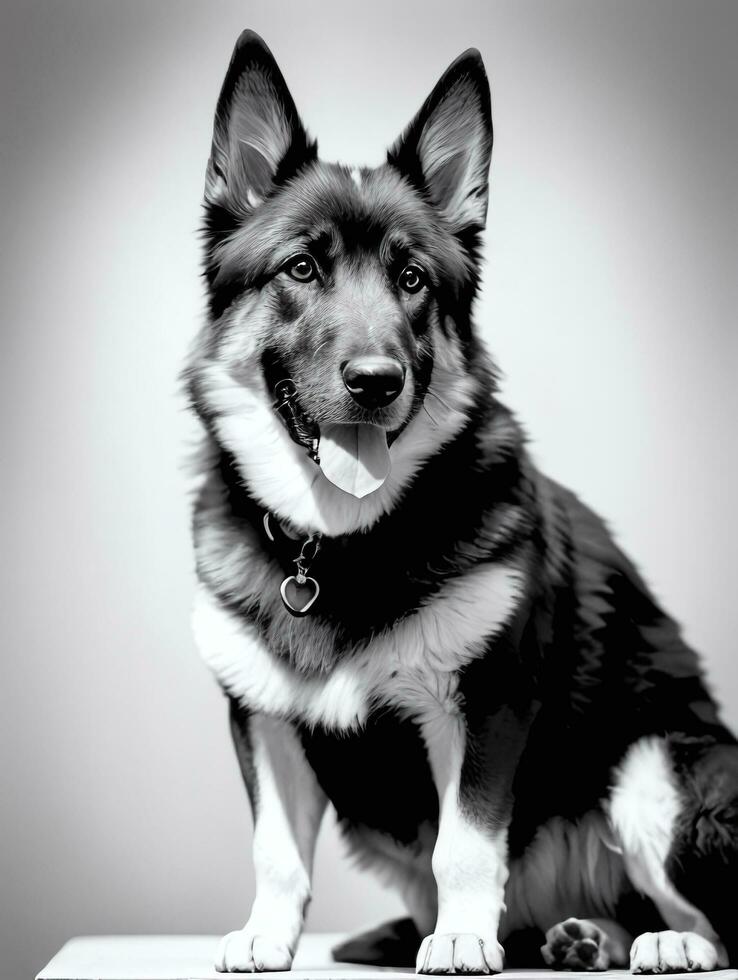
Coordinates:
<point>459,952</point>
<point>244,952</point>
<point>673,952</point>
<point>575,944</point>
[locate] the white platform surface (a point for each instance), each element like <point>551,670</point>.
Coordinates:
<point>191,958</point>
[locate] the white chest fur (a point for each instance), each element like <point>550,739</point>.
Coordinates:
<point>411,665</point>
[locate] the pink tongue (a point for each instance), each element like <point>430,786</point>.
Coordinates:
<point>354,457</point>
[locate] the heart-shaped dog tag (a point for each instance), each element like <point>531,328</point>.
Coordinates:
<point>298,593</point>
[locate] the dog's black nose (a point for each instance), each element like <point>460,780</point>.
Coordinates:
<point>373,382</point>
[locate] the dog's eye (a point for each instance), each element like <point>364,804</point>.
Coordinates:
<point>302,268</point>
<point>412,279</point>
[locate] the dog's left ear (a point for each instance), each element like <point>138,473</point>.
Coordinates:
<point>258,139</point>
<point>446,149</point>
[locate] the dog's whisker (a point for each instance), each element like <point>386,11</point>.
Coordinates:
<point>438,398</point>
<point>320,347</point>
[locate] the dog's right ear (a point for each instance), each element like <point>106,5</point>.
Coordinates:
<point>258,139</point>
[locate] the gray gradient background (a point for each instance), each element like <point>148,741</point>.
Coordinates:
<point>609,300</point>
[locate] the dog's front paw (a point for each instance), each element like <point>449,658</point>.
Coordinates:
<point>576,944</point>
<point>458,952</point>
<point>673,952</point>
<point>244,952</point>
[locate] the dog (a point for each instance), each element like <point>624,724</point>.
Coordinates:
<point>409,620</point>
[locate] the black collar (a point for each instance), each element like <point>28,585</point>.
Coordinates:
<point>294,551</point>
<point>280,534</point>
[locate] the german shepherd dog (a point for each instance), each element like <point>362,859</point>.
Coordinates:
<point>408,619</point>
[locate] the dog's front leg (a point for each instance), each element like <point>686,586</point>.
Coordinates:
<point>287,805</point>
<point>473,773</point>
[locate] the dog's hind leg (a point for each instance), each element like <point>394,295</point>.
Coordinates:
<point>407,870</point>
<point>393,943</point>
<point>673,810</point>
<point>287,805</point>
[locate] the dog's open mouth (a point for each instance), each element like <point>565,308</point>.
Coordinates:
<point>355,457</point>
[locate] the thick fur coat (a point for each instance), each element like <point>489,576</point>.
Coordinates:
<point>509,727</point>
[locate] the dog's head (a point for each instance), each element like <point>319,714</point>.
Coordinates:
<point>356,284</point>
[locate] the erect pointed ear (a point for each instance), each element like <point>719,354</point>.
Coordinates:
<point>258,139</point>
<point>445,151</point>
